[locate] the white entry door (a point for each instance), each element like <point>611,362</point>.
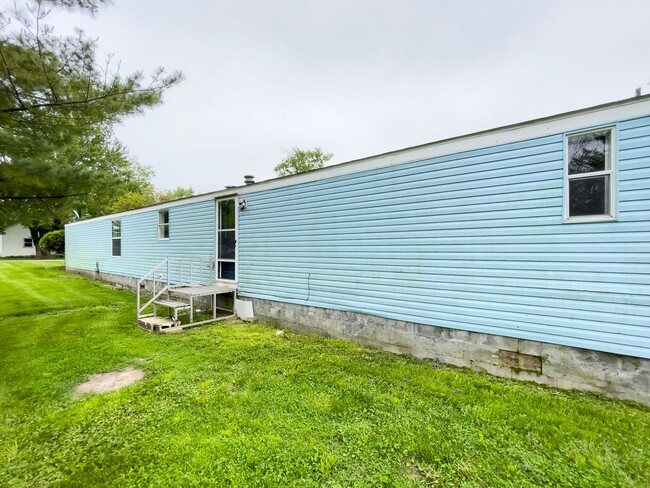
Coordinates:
<point>227,239</point>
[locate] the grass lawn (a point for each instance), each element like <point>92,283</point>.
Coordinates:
<point>239,405</point>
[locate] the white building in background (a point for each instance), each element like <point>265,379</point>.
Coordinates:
<point>16,241</point>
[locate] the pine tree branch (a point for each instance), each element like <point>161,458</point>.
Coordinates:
<point>10,79</point>
<point>41,197</point>
<point>41,56</point>
<point>86,101</point>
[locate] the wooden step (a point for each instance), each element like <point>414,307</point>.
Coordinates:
<point>160,324</point>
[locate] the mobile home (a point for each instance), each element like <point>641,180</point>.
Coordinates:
<point>522,250</point>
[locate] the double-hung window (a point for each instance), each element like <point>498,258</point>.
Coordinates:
<point>590,186</point>
<point>28,242</point>
<point>163,224</point>
<point>116,238</point>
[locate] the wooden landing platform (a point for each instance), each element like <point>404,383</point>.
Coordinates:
<point>196,291</point>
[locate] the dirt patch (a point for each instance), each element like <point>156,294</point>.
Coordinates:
<point>105,382</point>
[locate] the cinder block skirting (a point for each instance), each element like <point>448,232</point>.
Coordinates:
<point>125,281</point>
<point>561,366</point>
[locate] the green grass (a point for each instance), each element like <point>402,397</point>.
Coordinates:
<point>238,405</point>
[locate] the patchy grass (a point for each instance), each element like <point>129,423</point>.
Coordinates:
<point>236,404</point>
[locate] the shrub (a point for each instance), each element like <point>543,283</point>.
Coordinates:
<point>53,242</point>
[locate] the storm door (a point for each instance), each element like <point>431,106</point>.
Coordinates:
<point>226,240</point>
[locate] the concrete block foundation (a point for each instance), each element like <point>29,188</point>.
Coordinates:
<point>123,281</point>
<point>549,364</point>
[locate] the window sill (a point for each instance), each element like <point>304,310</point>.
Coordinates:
<point>163,238</point>
<point>588,219</point>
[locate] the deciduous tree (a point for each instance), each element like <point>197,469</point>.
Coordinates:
<point>300,161</point>
<point>133,200</point>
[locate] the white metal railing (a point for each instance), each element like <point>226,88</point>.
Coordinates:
<point>175,273</point>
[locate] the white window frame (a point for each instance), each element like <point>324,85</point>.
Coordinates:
<point>114,238</point>
<point>611,172</point>
<point>162,225</point>
<point>31,242</point>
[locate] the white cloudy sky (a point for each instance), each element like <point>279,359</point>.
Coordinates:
<point>357,77</point>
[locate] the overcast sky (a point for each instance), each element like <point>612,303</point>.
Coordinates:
<point>357,78</point>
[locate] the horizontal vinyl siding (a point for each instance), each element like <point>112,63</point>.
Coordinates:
<point>191,234</point>
<point>472,241</point>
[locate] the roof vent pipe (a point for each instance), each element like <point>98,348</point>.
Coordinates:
<point>249,179</point>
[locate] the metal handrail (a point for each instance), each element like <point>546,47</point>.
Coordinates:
<point>153,299</point>
<point>168,266</point>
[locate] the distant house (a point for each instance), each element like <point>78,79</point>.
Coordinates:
<point>522,250</point>
<point>16,241</point>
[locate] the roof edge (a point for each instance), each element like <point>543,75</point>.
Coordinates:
<point>583,118</point>
<point>529,129</point>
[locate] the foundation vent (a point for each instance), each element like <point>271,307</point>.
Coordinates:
<point>520,361</point>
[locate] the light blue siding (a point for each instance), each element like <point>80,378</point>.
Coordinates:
<point>472,241</point>
<point>191,234</point>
